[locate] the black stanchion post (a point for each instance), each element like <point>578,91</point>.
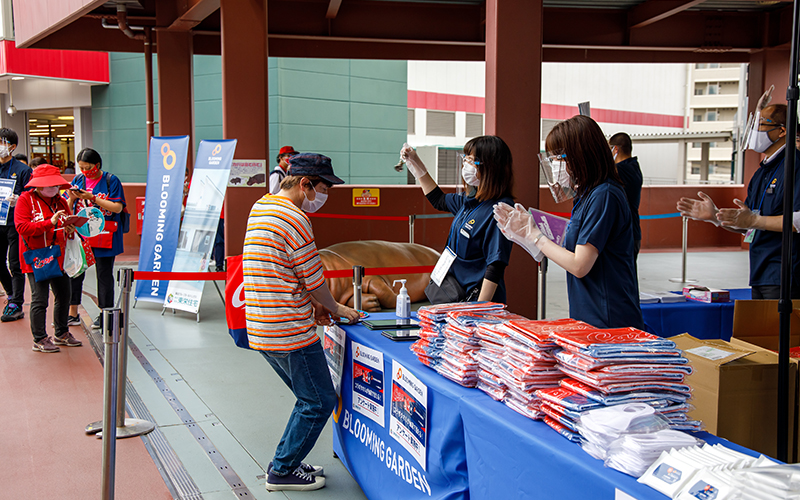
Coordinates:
<point>785,302</point>
<point>542,295</point>
<point>111,327</point>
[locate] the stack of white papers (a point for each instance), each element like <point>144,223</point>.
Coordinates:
<point>710,472</point>
<point>664,297</point>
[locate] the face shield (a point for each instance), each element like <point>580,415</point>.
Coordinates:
<point>754,119</point>
<point>554,170</point>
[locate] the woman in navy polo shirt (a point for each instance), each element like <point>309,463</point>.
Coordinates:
<point>104,191</point>
<point>480,253</point>
<point>598,253</point>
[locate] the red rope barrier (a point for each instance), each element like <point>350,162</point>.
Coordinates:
<point>159,276</point>
<point>360,217</point>
<point>343,273</point>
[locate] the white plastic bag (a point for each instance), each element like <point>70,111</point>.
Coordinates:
<point>74,258</point>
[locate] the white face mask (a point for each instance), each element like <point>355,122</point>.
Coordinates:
<point>47,192</point>
<point>760,141</point>
<point>470,174</point>
<point>5,150</point>
<point>312,206</point>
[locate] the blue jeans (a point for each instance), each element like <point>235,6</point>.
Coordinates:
<point>305,372</point>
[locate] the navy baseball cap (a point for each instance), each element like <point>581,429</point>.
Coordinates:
<point>313,164</point>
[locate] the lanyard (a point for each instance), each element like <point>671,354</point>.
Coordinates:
<point>460,221</point>
<point>774,171</point>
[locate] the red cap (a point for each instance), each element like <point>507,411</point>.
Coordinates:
<point>287,150</point>
<point>45,176</point>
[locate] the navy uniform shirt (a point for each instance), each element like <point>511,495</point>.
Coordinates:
<point>631,175</point>
<point>608,296</point>
<point>15,169</point>
<point>765,193</point>
<point>476,241</point>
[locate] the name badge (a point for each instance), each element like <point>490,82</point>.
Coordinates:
<point>441,268</point>
<point>749,235</point>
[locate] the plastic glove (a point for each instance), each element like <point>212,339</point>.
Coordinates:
<point>517,225</point>
<point>741,217</point>
<point>702,209</point>
<point>414,164</point>
<point>12,199</point>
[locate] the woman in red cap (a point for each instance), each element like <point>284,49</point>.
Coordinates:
<point>38,217</point>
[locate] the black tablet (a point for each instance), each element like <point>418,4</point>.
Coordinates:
<point>391,324</point>
<point>400,335</point>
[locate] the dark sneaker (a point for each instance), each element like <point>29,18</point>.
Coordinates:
<point>12,312</point>
<point>96,323</point>
<point>46,345</point>
<point>297,480</point>
<point>67,340</point>
<point>74,320</point>
<point>314,470</point>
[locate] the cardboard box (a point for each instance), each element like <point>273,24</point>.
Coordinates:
<point>735,391</point>
<point>703,294</point>
<point>758,322</point>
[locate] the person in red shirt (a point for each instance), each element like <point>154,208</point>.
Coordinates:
<point>38,217</point>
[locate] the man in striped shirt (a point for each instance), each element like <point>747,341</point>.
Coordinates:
<point>285,298</point>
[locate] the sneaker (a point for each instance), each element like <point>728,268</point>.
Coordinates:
<point>314,470</point>
<point>12,312</point>
<point>297,480</point>
<point>96,323</point>
<point>74,320</point>
<point>67,340</point>
<point>46,345</point>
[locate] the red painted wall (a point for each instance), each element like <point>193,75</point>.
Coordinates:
<point>403,200</point>
<point>78,65</point>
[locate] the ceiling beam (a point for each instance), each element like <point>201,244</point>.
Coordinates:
<point>333,9</point>
<point>652,11</point>
<point>193,12</point>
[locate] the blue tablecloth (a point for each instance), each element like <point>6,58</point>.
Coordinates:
<point>477,448</point>
<point>698,319</point>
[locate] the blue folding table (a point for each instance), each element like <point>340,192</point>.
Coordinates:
<point>476,447</point>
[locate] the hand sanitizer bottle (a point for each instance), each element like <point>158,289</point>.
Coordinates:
<point>403,309</point>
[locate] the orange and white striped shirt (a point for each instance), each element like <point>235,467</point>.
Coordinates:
<point>281,266</point>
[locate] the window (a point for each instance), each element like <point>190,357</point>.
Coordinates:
<point>447,166</point>
<point>699,91</point>
<point>711,115</point>
<point>441,123</point>
<point>700,66</point>
<point>474,126</point>
<point>713,65</point>
<point>697,118</point>
<point>697,144</point>
<point>411,126</point>
<point>713,89</point>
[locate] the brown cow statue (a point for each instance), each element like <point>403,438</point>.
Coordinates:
<point>376,291</point>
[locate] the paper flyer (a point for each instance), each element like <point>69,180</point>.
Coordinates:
<point>368,393</point>
<point>6,190</point>
<point>333,346</point>
<point>408,421</point>
<point>552,226</point>
<point>248,173</point>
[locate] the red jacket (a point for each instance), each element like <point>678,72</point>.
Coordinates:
<point>32,219</point>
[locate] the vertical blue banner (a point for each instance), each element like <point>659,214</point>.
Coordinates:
<point>166,169</point>
<point>212,169</point>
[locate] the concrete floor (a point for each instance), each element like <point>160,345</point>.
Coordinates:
<point>241,406</point>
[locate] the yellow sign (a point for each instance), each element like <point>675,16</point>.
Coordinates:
<point>366,197</point>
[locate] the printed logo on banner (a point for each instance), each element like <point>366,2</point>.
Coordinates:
<point>408,420</point>
<point>166,169</point>
<point>200,220</point>
<point>368,393</point>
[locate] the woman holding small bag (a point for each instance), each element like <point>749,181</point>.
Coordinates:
<point>95,188</point>
<point>39,219</point>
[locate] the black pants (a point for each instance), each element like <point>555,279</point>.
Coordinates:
<point>40,294</point>
<point>104,266</point>
<point>772,292</point>
<point>218,254</point>
<point>14,281</point>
